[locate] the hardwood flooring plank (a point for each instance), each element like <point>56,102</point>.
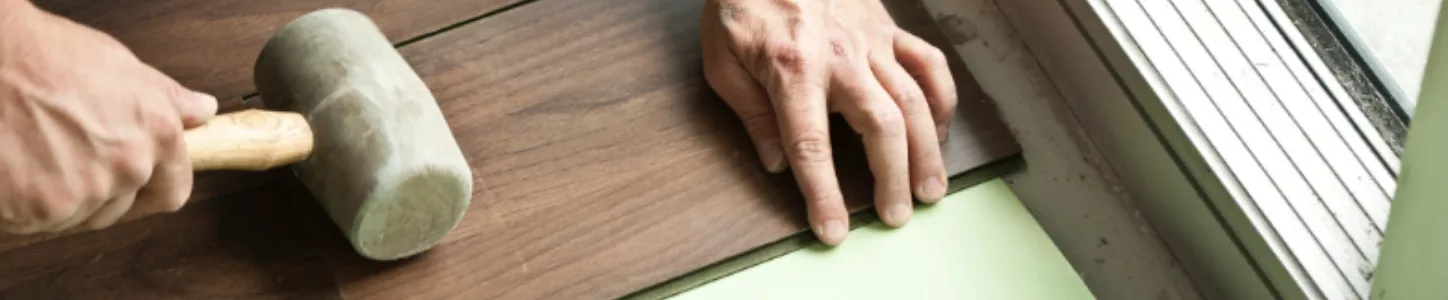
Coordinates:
<point>604,163</point>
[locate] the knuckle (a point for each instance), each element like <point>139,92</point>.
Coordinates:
<point>811,148</point>
<point>53,206</point>
<point>944,115</point>
<point>944,109</point>
<point>885,123</point>
<point>934,57</point>
<point>909,98</point>
<point>789,57</point>
<point>162,121</point>
<point>840,46</point>
<point>174,199</point>
<point>168,133</point>
<point>164,130</point>
<point>131,171</point>
<point>822,196</point>
<point>758,122</point>
<point>730,12</point>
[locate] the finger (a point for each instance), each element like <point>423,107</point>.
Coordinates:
<point>11,227</point>
<point>170,186</point>
<point>927,168</point>
<point>118,178</point>
<point>195,108</point>
<point>927,65</point>
<point>111,211</point>
<point>82,212</point>
<point>19,227</point>
<point>19,208</point>
<point>747,99</point>
<point>795,84</point>
<point>871,112</point>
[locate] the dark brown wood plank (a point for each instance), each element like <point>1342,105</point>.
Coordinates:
<point>604,163</point>
<point>248,245</point>
<point>210,45</point>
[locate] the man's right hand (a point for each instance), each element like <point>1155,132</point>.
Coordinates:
<point>88,132</point>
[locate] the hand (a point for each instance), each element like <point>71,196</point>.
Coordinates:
<point>783,65</point>
<point>88,133</point>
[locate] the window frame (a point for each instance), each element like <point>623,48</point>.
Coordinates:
<point>1353,72</point>
<point>1180,179</point>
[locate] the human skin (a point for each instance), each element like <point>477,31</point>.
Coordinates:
<point>89,134</point>
<point>784,65</point>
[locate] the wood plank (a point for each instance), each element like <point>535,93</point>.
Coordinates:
<point>210,45</point>
<point>604,163</point>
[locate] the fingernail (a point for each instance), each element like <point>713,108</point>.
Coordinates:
<point>832,232</point>
<point>932,190</point>
<point>942,132</point>
<point>898,214</point>
<point>771,156</point>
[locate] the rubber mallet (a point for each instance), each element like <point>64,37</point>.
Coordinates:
<point>358,127</point>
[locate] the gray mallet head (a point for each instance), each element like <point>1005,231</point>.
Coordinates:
<point>385,165</point>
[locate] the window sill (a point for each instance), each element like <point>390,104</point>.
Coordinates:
<point>1240,142</point>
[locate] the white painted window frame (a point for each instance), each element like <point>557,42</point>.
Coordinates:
<point>1242,144</point>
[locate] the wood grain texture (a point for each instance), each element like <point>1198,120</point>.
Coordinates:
<point>603,164</point>
<point>210,45</point>
<point>255,140</point>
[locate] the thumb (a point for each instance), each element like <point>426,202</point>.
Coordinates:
<point>195,108</point>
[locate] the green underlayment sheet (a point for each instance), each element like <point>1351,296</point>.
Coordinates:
<point>979,243</point>
<point>1413,263</point>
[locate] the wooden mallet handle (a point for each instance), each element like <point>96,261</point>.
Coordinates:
<point>249,140</point>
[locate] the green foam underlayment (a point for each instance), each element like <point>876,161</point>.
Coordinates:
<point>1414,257</point>
<point>979,243</point>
